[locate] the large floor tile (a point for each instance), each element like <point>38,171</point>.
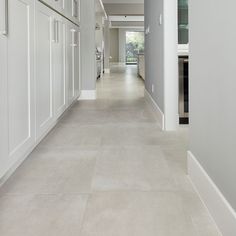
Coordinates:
<point>53,171</point>
<point>132,168</point>
<point>137,213</point>
<point>107,169</point>
<point>37,215</point>
<point>73,136</point>
<point>140,134</point>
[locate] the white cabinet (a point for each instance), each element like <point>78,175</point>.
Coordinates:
<point>72,10</point>
<point>76,52</point>
<point>39,75</point>
<point>69,8</point>
<point>59,66</point>
<point>141,66</point>
<point>73,62</point>
<point>17,134</point>
<point>44,35</point>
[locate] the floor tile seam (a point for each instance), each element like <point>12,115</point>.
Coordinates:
<point>129,146</point>
<point>95,169</point>
<point>84,215</point>
<point>94,192</point>
<point>112,123</point>
<point>43,194</point>
<point>102,145</point>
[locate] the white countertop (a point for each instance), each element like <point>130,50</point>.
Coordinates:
<point>183,49</point>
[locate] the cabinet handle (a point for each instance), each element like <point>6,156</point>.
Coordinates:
<point>5,19</point>
<point>57,31</point>
<point>55,37</point>
<point>74,41</point>
<point>53,30</point>
<point>75,8</point>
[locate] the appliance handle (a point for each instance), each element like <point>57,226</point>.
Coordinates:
<point>5,18</point>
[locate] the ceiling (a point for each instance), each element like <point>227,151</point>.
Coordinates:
<point>126,21</point>
<point>125,13</point>
<point>123,1</point>
<point>124,7</point>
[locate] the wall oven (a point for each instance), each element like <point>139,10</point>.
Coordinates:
<point>183,90</point>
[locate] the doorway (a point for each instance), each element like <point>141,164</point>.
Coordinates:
<point>134,46</point>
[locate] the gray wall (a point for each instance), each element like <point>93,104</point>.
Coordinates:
<point>87,25</point>
<point>213,91</point>
<point>114,45</point>
<point>154,51</point>
<point>122,41</point>
<point>99,33</point>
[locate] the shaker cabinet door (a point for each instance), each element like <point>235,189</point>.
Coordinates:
<point>17,106</point>
<point>45,37</point>
<point>73,62</point>
<point>59,75</point>
<point>77,62</point>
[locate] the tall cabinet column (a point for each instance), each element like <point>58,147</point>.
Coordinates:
<point>107,46</point>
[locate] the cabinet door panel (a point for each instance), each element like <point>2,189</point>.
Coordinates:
<point>73,62</point>
<point>77,63</point>
<point>59,68</point>
<point>20,75</point>
<point>69,63</point>
<point>3,105</point>
<point>44,80</point>
<point>72,10</point>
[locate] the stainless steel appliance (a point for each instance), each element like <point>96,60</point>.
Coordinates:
<point>183,90</point>
<point>99,63</point>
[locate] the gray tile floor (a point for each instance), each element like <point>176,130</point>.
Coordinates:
<point>106,169</point>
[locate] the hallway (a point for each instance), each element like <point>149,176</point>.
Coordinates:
<point>106,169</point>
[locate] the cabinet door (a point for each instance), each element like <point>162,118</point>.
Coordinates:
<point>17,108</point>
<point>69,63</point>
<point>3,93</point>
<point>59,76</point>
<point>72,10</point>
<point>73,63</point>
<point>44,35</point>
<point>76,62</point>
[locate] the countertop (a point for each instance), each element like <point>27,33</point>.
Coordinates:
<point>183,49</point>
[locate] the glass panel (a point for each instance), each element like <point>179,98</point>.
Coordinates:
<point>134,46</point>
<point>183,21</point>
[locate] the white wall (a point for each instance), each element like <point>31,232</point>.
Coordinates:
<point>213,91</point>
<point>122,40</point>
<point>161,79</point>
<point>87,25</point>
<point>114,45</point>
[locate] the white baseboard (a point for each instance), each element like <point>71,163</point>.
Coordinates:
<point>219,208</point>
<point>107,71</point>
<point>160,114</point>
<point>88,95</point>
